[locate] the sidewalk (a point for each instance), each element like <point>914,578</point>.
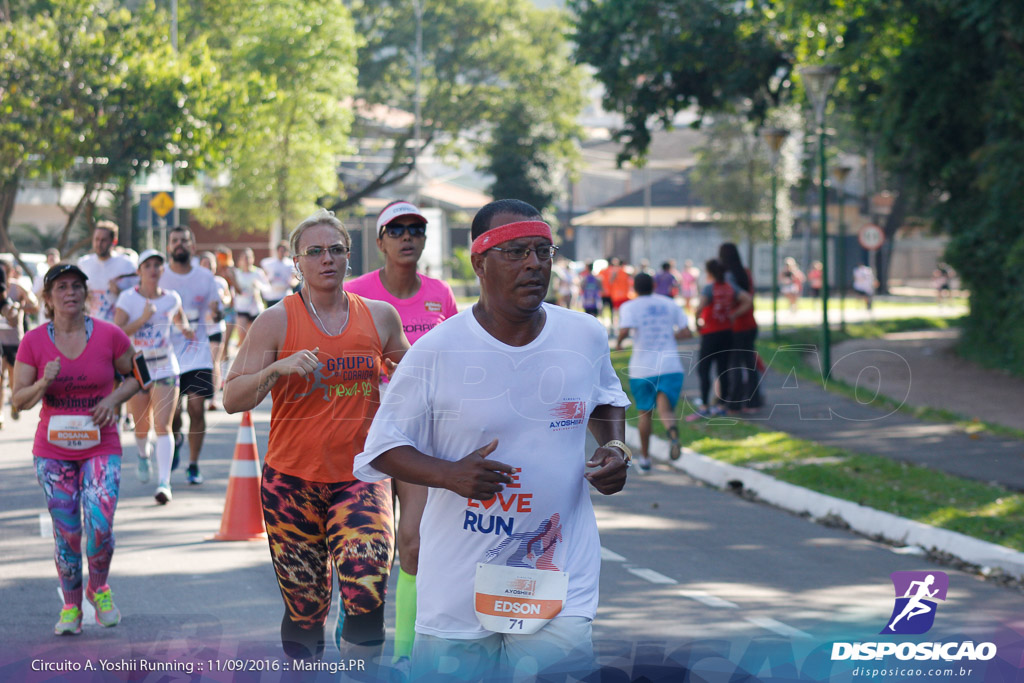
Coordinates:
<point>906,368</point>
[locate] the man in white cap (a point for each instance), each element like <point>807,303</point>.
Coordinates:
<point>422,303</point>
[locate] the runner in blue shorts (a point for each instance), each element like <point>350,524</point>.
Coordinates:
<point>655,370</point>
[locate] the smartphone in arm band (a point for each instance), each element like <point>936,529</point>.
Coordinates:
<point>141,371</point>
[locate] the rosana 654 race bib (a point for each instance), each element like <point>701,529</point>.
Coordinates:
<point>518,599</point>
<point>73,432</point>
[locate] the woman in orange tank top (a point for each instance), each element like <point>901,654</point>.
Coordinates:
<point>318,353</point>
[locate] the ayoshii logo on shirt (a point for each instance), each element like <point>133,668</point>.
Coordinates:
<point>917,594</point>
<point>568,414</point>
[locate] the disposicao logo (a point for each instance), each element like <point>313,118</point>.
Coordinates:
<point>913,613</point>
<point>916,594</point>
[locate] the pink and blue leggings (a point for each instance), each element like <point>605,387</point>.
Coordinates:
<point>92,485</point>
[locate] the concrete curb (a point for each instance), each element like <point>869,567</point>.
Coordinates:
<point>863,520</point>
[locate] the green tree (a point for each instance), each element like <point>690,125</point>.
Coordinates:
<point>96,89</point>
<point>733,175</point>
<point>656,58</point>
<point>930,87</point>
<point>293,66</point>
<point>485,66</point>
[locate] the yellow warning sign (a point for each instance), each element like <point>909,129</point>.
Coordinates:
<point>162,204</point>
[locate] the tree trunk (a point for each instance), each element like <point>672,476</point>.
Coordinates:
<point>8,195</point>
<point>76,211</point>
<point>893,222</point>
<point>126,233</point>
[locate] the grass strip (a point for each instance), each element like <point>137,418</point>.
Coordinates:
<point>790,352</point>
<point>982,511</point>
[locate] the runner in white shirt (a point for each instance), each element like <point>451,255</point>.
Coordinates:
<point>108,273</point>
<point>149,315</point>
<point>657,323</point>
<point>199,295</point>
<point>250,285</point>
<point>280,273</point>
<point>490,410</point>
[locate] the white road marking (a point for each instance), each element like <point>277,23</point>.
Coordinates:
<point>650,575</point>
<point>778,627</point>
<point>45,525</point>
<point>609,556</point>
<point>708,599</point>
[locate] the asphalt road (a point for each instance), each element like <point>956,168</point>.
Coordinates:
<point>692,578</point>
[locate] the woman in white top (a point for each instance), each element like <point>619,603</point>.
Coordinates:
<point>251,283</point>
<point>146,314</point>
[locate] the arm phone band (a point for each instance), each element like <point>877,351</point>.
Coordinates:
<point>141,371</point>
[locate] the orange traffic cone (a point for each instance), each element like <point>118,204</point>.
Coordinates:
<point>243,514</point>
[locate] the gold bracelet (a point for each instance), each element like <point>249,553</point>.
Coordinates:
<point>628,454</point>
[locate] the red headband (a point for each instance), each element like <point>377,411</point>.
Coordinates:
<point>508,232</point>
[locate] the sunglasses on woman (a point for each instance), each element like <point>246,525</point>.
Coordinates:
<point>414,230</point>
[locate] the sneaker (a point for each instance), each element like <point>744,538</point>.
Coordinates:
<point>718,411</point>
<point>144,470</point>
<point>107,613</point>
<point>70,622</point>
<point>127,424</point>
<point>193,475</point>
<point>702,413</point>
<point>644,463</point>
<point>163,493</point>
<point>178,441</point>
<point>674,449</point>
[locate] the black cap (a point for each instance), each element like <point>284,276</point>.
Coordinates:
<point>61,269</point>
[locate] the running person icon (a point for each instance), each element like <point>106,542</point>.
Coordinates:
<point>915,606</point>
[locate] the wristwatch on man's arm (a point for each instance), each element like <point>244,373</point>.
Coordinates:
<point>627,454</point>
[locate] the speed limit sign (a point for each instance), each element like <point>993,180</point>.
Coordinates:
<point>871,237</point>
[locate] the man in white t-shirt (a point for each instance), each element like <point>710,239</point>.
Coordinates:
<point>281,274</point>
<point>655,371</point>
<point>108,273</point>
<point>490,410</point>
<point>199,295</point>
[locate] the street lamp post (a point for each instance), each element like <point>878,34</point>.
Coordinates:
<point>775,137</point>
<point>841,173</point>
<point>818,81</point>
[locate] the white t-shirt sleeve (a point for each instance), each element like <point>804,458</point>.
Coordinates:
<point>405,417</point>
<point>125,303</point>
